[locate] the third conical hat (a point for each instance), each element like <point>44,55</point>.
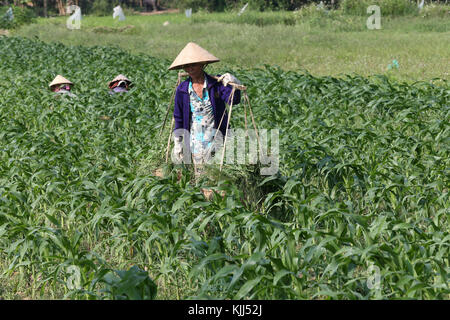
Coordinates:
<point>120,77</point>
<point>192,53</point>
<point>59,80</point>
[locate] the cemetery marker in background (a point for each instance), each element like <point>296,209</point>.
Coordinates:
<point>118,12</point>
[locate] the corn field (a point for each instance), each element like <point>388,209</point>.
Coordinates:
<point>358,210</point>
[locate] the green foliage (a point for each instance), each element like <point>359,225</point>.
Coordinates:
<point>358,7</point>
<point>22,16</point>
<point>252,17</point>
<point>134,284</point>
<point>433,10</point>
<point>335,20</point>
<point>259,5</point>
<point>101,8</point>
<point>196,5</point>
<point>388,7</point>
<point>104,8</point>
<point>363,184</point>
<point>351,16</point>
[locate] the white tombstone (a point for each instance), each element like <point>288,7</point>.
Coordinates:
<point>10,14</point>
<point>243,9</point>
<point>421,5</point>
<point>74,21</point>
<point>320,6</point>
<point>188,12</point>
<point>118,12</point>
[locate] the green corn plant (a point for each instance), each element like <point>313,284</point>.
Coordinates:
<point>358,209</point>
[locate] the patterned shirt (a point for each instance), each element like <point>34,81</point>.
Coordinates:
<point>202,124</point>
<point>66,93</point>
<point>117,90</point>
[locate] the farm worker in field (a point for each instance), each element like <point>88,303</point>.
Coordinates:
<point>200,105</point>
<point>119,84</point>
<point>61,85</point>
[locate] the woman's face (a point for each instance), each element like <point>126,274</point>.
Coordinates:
<point>195,69</point>
<point>61,87</point>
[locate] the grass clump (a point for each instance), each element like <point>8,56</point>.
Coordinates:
<point>249,17</point>
<point>435,11</point>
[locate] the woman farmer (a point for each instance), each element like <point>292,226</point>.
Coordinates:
<point>200,105</point>
<point>119,84</point>
<point>61,85</point>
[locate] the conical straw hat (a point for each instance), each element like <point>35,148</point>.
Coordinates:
<point>119,78</point>
<point>59,80</point>
<point>192,53</point>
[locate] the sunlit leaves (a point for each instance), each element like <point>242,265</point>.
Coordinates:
<point>363,182</point>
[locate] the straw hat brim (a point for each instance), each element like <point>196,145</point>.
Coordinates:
<point>120,77</point>
<point>192,53</point>
<point>59,80</point>
<point>201,62</point>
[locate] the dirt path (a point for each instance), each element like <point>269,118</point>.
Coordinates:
<point>4,32</point>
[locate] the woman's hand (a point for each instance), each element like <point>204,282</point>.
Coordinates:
<point>178,149</point>
<point>227,78</point>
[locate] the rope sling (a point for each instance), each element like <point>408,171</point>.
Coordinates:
<point>230,104</point>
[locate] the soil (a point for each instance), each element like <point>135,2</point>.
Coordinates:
<point>4,32</point>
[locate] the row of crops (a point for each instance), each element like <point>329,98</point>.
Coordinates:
<point>358,210</point>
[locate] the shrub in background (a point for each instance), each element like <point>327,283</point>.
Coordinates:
<point>332,19</point>
<point>434,10</point>
<point>102,8</point>
<point>251,17</point>
<point>388,7</point>
<point>22,15</point>
<point>259,5</point>
<point>199,5</point>
<point>105,8</point>
<point>132,284</point>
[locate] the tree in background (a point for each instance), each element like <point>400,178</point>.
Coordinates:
<point>51,7</point>
<point>261,5</point>
<point>57,7</point>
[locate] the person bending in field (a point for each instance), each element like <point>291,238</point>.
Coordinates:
<point>200,106</point>
<point>119,84</point>
<point>61,85</point>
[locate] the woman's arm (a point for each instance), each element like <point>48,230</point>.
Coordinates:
<point>178,111</point>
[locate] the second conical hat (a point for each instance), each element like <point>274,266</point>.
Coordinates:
<point>120,77</point>
<point>59,80</point>
<point>192,53</point>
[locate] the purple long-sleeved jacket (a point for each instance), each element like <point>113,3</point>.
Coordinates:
<point>218,93</point>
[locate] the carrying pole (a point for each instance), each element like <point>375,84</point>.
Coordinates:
<point>170,104</point>
<point>237,86</point>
